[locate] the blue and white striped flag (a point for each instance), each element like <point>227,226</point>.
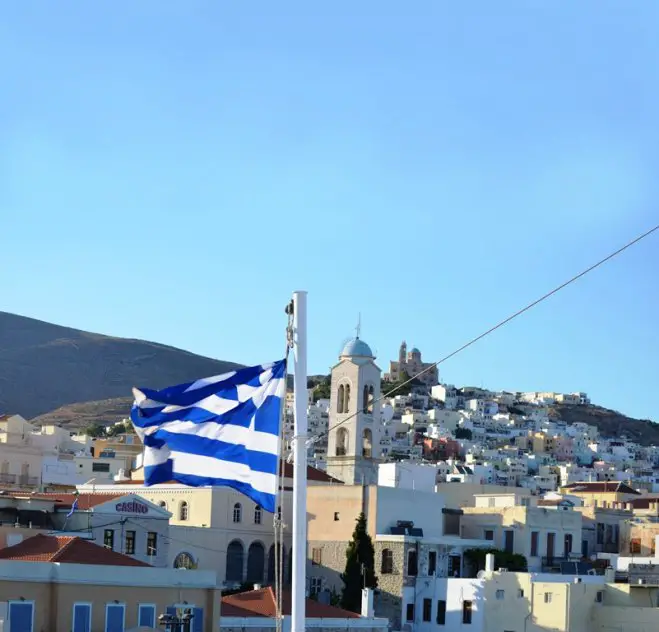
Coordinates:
<point>219,431</point>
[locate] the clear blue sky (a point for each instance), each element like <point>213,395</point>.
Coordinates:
<point>173,170</point>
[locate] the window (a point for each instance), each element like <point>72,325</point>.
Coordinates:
<point>427,609</point>
<point>548,597</point>
<point>412,563</point>
<point>387,566</point>
<point>115,617</point>
<point>367,444</point>
<point>346,399</point>
<point>184,560</point>
<point>339,399</point>
<point>146,615</point>
<point>409,614</point>
<point>108,539</point>
<point>130,543</point>
<point>315,586</point>
<point>183,511</point>
<point>432,562</point>
<point>21,616</point>
<point>466,612</point>
<point>520,593</point>
<point>635,546</point>
<point>258,515</point>
<point>336,516</point>
<point>441,612</point>
<point>82,617</point>
<point>535,535</point>
<point>237,513</point>
<point>500,595</point>
<point>341,442</point>
<point>491,502</point>
<point>151,543</point>
<point>489,534</point>
<point>100,467</point>
<point>599,597</point>
<point>316,557</point>
<point>162,504</point>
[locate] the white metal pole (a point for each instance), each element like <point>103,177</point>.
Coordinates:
<point>299,571</point>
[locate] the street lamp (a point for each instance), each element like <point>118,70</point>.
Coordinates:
<point>175,623</point>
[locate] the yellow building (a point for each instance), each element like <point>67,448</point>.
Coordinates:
<point>606,494</point>
<point>59,584</point>
<point>544,535</point>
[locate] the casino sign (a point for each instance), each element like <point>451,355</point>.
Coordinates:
<point>132,506</point>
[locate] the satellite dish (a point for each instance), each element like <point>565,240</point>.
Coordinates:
<point>387,413</point>
<point>481,574</point>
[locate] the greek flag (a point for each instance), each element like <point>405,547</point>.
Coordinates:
<point>219,431</point>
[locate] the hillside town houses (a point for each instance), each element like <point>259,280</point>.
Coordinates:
<point>487,511</point>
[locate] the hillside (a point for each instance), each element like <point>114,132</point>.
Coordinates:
<point>44,367</point>
<point>609,422</point>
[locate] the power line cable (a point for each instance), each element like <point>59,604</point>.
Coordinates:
<point>519,312</point>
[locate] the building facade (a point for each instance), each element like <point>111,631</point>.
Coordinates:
<point>411,364</point>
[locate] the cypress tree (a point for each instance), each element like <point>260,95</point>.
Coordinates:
<point>360,567</point>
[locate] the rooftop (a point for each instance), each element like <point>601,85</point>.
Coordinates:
<point>66,550</point>
<point>357,348</point>
<point>262,603</point>
<point>599,487</point>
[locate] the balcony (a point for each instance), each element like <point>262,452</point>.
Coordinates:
<point>7,478</point>
<point>28,481</point>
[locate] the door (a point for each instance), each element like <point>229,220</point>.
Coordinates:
<point>21,616</point>
<point>82,617</point>
<point>551,541</point>
<point>509,541</point>
<point>584,548</point>
<point>567,549</point>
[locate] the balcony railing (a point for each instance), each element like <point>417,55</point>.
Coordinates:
<point>28,481</point>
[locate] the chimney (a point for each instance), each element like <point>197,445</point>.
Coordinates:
<point>367,603</point>
<point>489,563</point>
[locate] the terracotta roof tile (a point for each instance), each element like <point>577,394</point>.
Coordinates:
<point>65,550</point>
<point>85,501</point>
<point>261,603</point>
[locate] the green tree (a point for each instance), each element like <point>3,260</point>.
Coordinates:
<point>463,433</point>
<point>514,562</point>
<point>360,567</point>
<point>95,430</point>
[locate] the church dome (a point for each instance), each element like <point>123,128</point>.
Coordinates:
<point>415,350</point>
<point>357,347</point>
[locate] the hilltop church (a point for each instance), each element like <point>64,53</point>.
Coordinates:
<point>411,364</point>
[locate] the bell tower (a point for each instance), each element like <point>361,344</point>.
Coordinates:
<point>353,445</point>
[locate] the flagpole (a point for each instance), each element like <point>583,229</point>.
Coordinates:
<point>299,570</point>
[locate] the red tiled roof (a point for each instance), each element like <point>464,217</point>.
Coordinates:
<point>262,603</point>
<point>644,502</point>
<point>85,501</point>
<point>602,487</point>
<point>66,550</point>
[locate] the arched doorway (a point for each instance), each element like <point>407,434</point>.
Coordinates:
<point>255,562</point>
<point>271,563</point>
<point>235,556</point>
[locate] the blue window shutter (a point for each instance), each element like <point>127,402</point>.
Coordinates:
<point>171,610</point>
<point>147,617</point>
<point>198,621</point>
<point>115,618</point>
<point>82,618</point>
<point>20,617</point>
